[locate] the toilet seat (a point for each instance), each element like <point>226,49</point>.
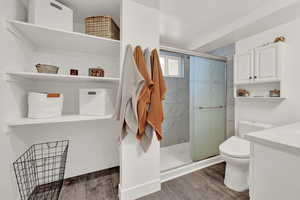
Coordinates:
<point>236,147</point>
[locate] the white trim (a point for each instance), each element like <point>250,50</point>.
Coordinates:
<point>181,67</point>
<point>139,190</point>
<point>60,119</point>
<point>63,40</point>
<point>192,53</point>
<point>259,99</point>
<point>60,77</point>
<point>181,171</point>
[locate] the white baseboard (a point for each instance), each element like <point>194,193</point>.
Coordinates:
<point>155,186</point>
<point>189,168</point>
<point>139,190</point>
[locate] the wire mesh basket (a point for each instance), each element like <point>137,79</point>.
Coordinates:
<point>40,170</point>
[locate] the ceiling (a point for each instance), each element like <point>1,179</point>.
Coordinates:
<point>184,22</point>
<point>197,24</point>
<point>84,8</point>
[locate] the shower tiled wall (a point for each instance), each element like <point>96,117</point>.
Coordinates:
<point>228,51</point>
<point>176,107</point>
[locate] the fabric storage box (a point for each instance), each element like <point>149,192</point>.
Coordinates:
<point>102,26</point>
<point>43,105</point>
<point>50,13</point>
<point>95,102</point>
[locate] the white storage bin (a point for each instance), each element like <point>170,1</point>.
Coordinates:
<point>42,105</point>
<point>50,13</point>
<point>95,102</point>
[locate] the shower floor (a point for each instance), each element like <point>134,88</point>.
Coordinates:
<point>174,156</point>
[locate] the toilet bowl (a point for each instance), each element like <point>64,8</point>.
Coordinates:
<point>236,153</point>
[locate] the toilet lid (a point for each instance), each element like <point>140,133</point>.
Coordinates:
<point>236,147</point>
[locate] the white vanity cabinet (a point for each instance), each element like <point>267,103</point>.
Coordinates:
<point>275,163</point>
<point>244,67</point>
<point>262,64</point>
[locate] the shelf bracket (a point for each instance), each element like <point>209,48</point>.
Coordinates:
<point>5,77</point>
<point>8,78</point>
<point>6,128</point>
<point>10,28</point>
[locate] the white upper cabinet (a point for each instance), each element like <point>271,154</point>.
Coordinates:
<point>268,61</point>
<point>244,67</point>
<point>262,64</point>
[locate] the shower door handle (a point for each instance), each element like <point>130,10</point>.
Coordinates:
<point>214,107</point>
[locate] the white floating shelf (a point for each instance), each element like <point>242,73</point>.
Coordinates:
<point>44,37</point>
<point>60,77</point>
<point>62,119</point>
<point>259,82</point>
<point>260,98</point>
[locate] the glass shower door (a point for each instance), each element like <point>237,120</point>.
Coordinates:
<point>207,106</point>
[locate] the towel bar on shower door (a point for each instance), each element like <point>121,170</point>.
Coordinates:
<point>214,107</point>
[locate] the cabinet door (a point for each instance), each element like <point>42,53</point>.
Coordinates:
<point>267,63</point>
<point>243,67</point>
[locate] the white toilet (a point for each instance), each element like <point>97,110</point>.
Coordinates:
<point>236,153</point>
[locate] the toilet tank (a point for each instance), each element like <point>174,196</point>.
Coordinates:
<point>245,127</point>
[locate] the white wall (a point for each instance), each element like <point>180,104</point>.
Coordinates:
<point>277,113</point>
<point>13,56</point>
<point>93,145</point>
<point>75,60</point>
<point>140,172</point>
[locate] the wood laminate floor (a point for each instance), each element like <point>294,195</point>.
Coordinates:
<point>205,184</point>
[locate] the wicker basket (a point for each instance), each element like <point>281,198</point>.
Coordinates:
<point>102,26</point>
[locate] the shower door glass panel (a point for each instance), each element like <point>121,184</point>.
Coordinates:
<point>207,106</point>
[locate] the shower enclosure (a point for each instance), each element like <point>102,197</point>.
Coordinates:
<point>195,110</point>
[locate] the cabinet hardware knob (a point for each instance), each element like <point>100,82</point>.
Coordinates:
<point>250,77</point>
<point>255,77</point>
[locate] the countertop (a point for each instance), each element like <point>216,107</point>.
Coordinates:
<point>284,137</point>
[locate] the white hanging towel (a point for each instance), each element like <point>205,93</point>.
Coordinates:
<point>130,85</point>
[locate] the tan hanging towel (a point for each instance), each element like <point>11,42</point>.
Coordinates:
<point>145,93</point>
<point>146,139</point>
<point>156,112</point>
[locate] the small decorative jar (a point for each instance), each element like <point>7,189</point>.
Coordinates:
<point>275,93</point>
<point>243,93</point>
<point>74,72</point>
<point>97,72</point>
<point>279,39</point>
